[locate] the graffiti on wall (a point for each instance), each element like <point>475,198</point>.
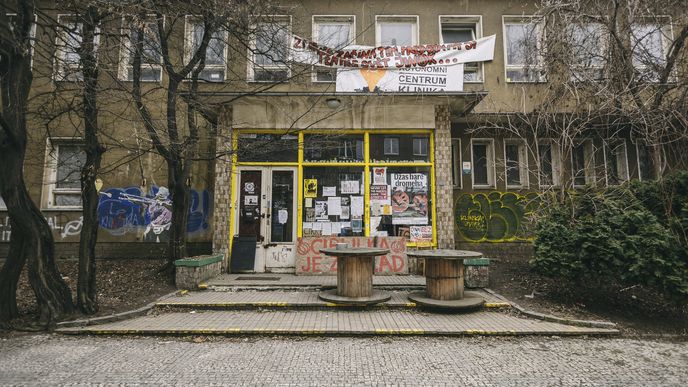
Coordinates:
<point>125,210</point>
<point>309,260</point>
<point>495,216</point>
<point>61,228</point>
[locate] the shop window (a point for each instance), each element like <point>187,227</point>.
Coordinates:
<point>267,147</point>
<point>523,42</point>
<point>333,201</point>
<point>456,29</point>
<point>516,163</point>
<point>270,51</point>
<point>215,54</point>
<point>333,148</point>
<point>482,153</point>
<point>65,160</point>
<point>420,146</point>
<point>396,30</point>
<point>151,58</point>
<point>650,45</point>
<point>68,41</point>
<point>615,161</point>
<point>583,163</point>
<point>401,199</point>
<point>456,162</point>
<point>399,148</point>
<point>335,32</point>
<point>588,51</point>
<point>549,164</point>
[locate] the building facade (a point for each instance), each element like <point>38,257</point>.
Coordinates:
<point>289,164</point>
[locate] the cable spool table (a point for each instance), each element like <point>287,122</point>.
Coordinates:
<point>444,280</point>
<point>354,277</point>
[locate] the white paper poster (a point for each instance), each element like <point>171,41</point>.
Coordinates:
<point>409,198</point>
<point>330,191</point>
<point>282,216</point>
<point>321,210</point>
<point>349,187</point>
<point>356,206</point>
<point>334,205</point>
<point>379,175</point>
<point>327,228</point>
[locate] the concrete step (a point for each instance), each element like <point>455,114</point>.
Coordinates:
<point>274,299</point>
<point>278,281</point>
<point>334,322</point>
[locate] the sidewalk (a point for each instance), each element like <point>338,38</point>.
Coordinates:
<point>256,305</point>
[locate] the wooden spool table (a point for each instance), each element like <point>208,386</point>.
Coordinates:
<point>354,277</point>
<point>444,280</point>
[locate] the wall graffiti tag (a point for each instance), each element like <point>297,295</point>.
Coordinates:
<point>495,216</point>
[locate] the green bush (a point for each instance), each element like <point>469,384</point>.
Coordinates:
<point>631,235</point>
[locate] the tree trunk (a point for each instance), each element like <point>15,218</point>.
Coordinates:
<point>32,241</point>
<point>177,176</point>
<point>87,294</point>
<point>9,278</point>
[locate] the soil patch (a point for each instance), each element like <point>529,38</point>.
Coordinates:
<point>123,284</point>
<point>637,310</point>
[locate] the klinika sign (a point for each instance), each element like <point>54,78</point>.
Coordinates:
<point>419,68</point>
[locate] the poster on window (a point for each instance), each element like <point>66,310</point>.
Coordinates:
<point>379,175</point>
<point>409,198</point>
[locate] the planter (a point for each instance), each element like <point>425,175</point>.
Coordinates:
<point>477,272</point>
<point>192,271</point>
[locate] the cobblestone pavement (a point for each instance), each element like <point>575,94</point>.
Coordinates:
<point>56,360</point>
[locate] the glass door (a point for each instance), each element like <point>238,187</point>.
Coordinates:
<point>281,220</point>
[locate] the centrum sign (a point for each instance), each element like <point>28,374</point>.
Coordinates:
<point>414,69</point>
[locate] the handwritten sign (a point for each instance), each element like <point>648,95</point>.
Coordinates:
<point>309,260</point>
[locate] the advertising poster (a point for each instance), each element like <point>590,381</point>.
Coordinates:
<point>379,175</point>
<point>310,188</point>
<point>421,233</point>
<point>409,198</point>
<point>321,210</point>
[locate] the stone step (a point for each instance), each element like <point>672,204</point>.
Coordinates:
<point>334,322</point>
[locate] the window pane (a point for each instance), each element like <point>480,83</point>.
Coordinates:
<point>340,214</point>
<point>420,146</point>
<point>513,165</point>
<point>646,162</point>
<point>457,34</point>
<point>521,44</point>
<point>322,147</point>
<point>579,171</point>
<point>216,45</point>
<point>334,36</point>
<point>282,203</point>
<point>267,147</point>
<point>70,159</point>
<point>271,44</point>
<point>401,148</point>
<point>480,164</point>
<point>546,170</point>
<point>647,45</point>
<point>151,45</point>
<point>396,34</point>
<point>587,45</point>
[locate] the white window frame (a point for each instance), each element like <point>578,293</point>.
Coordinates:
<point>540,31</point>
<point>427,146</point>
<point>477,21</point>
<point>397,19</point>
<point>522,162</point>
<point>126,51</point>
<point>384,145</point>
<point>188,44</point>
<point>50,173</point>
<point>555,161</point>
<point>457,165</point>
<point>75,74</point>
<point>32,34</point>
<point>250,72</point>
<point>580,72</point>
<point>665,26</point>
<point>491,167</point>
<point>639,144</point>
<point>606,145</point>
<point>589,162</point>
<point>349,20</point>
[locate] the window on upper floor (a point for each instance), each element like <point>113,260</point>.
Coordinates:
<point>269,46</point>
<point>483,160</point>
<point>549,168</point>
<point>650,44</point>
<point>588,49</point>
<point>456,29</point>
<point>516,163</point>
<point>335,32</point>
<point>69,34</point>
<point>396,30</point>
<point>615,161</point>
<point>151,58</point>
<point>583,163</point>
<point>65,159</point>
<point>391,146</point>
<point>523,42</point>
<point>215,54</point>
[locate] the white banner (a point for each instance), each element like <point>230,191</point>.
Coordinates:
<point>392,57</point>
<point>431,79</point>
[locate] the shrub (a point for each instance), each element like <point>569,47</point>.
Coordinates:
<point>632,235</point>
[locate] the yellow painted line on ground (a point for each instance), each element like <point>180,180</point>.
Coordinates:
<point>183,292</point>
<point>497,304</point>
<point>203,286</point>
<point>400,331</point>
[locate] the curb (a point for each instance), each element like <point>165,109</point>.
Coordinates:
<point>114,317</point>
<point>550,318</point>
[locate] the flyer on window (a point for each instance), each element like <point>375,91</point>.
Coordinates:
<point>409,198</point>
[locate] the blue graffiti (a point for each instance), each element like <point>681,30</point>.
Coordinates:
<point>124,210</point>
